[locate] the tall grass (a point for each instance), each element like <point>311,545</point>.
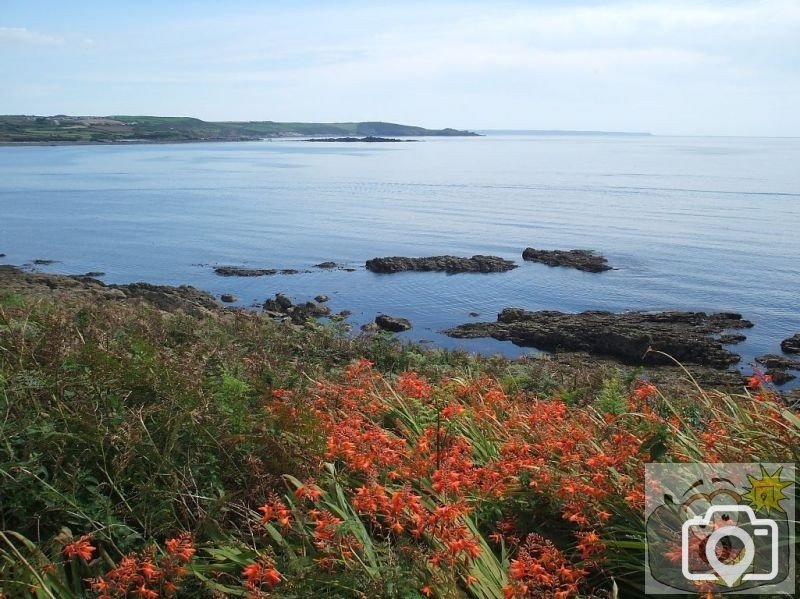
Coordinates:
<point>306,463</point>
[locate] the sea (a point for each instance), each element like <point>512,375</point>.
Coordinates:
<point>688,223</point>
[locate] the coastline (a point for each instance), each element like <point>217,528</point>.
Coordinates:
<point>132,142</point>
<point>197,303</point>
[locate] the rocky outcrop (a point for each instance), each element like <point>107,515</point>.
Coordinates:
<point>585,260</point>
<point>778,367</point>
<point>168,298</point>
<point>321,298</point>
<point>392,323</point>
<point>65,288</point>
<point>281,306</point>
<point>791,345</point>
<point>239,271</point>
<point>686,336</point>
<point>333,266</point>
<point>448,264</point>
<point>228,298</point>
<point>43,262</point>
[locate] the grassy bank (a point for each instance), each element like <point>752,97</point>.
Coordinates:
<point>116,129</point>
<point>149,454</point>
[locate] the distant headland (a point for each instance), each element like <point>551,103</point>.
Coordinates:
<point>558,132</point>
<point>64,129</point>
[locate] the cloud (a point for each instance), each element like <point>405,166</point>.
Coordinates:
<point>22,35</point>
<point>538,63</point>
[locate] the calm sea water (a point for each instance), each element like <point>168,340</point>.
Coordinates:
<point>690,223</point>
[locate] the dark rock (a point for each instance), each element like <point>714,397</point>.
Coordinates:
<point>94,274</point>
<point>345,313</point>
<point>65,288</point>
<point>448,264</point>
<point>791,345</point>
<point>313,309</point>
<point>731,338</point>
<point>349,269</point>
<point>391,323</point>
<point>228,298</point>
<point>370,327</point>
<point>170,299</point>
<point>474,314</point>
<point>326,265</point>
<point>778,367</point>
<point>41,262</point>
<point>280,303</point>
<point>775,361</point>
<point>321,298</point>
<point>282,306</point>
<point>236,271</point>
<point>792,398</point>
<point>780,376</point>
<point>686,336</point>
<point>585,260</point>
<point>2,255</point>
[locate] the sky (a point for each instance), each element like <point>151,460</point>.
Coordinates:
<point>666,67</point>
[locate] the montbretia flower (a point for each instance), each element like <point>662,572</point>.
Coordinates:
<point>81,548</point>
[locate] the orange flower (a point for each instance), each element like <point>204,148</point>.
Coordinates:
<point>308,491</point>
<point>81,548</point>
<point>181,547</point>
<point>412,385</point>
<point>260,574</point>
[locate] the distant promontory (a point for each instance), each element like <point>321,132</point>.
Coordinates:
<point>132,129</point>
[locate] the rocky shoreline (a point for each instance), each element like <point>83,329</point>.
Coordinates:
<point>73,287</point>
<point>696,339</point>
<point>631,337</point>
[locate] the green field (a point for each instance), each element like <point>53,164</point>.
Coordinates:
<point>121,128</point>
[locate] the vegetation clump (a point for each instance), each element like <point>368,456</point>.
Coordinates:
<point>152,454</point>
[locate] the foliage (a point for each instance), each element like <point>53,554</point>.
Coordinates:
<point>149,454</point>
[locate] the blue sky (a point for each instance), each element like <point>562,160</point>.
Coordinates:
<point>669,67</point>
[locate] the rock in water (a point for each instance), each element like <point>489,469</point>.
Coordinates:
<point>281,305</point>
<point>791,345</point>
<point>448,264</point>
<point>627,336</point>
<point>391,323</point>
<point>237,271</point>
<point>778,367</point>
<point>585,260</point>
<point>228,298</point>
